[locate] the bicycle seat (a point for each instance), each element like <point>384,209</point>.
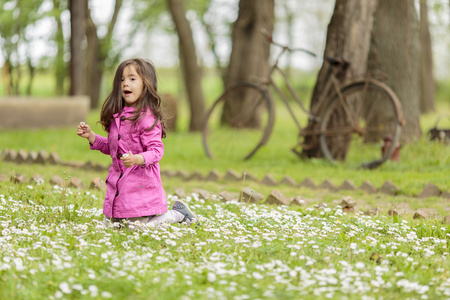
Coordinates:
<point>337,62</point>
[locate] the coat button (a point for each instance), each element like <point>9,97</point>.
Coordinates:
<point>122,118</point>
<point>119,155</point>
<point>118,137</point>
<point>117,193</point>
<point>121,174</point>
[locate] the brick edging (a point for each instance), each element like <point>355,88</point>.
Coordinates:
<point>43,157</point>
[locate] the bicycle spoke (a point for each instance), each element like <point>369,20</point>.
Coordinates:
<point>345,102</point>
<point>374,119</point>
<point>370,107</point>
<point>238,124</point>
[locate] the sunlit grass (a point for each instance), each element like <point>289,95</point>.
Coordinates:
<point>421,162</point>
<point>54,245</point>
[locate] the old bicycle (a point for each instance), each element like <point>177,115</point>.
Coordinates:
<point>236,131</point>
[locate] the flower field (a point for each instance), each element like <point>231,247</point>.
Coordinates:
<point>53,246</point>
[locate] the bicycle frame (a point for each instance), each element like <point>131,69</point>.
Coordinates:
<point>344,112</point>
<point>274,69</point>
<point>339,67</point>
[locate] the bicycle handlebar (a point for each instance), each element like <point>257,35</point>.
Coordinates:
<point>269,37</point>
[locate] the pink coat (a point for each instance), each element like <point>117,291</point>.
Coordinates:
<point>136,191</point>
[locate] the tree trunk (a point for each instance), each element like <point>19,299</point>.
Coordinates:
<point>348,37</point>
<point>18,70</point>
<point>249,54</point>
<point>97,52</point>
<point>427,88</point>
<point>94,73</point>
<point>77,16</point>
<point>213,45</point>
<point>31,73</point>
<point>290,22</point>
<point>395,51</point>
<point>6,78</point>
<point>192,73</point>
<point>60,65</point>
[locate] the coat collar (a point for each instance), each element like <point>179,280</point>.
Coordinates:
<point>125,110</point>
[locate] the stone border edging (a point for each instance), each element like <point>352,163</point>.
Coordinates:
<point>430,190</point>
<point>246,195</point>
<point>42,157</point>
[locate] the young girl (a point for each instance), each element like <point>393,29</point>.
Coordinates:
<point>132,116</point>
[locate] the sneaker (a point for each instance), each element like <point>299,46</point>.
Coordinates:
<point>182,208</point>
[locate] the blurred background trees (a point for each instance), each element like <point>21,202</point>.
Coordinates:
<point>15,19</point>
<point>191,70</point>
<point>84,39</point>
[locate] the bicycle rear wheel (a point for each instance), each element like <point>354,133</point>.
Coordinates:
<point>236,131</point>
<point>361,124</point>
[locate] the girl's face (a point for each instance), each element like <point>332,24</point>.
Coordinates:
<point>132,85</point>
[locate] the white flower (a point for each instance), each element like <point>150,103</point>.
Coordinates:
<point>257,275</point>
<point>94,290</point>
<point>360,265</point>
<point>65,288</point>
<point>19,264</point>
<point>211,277</point>
<point>77,287</point>
<point>58,294</point>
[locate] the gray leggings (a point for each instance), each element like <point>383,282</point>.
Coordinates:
<point>171,216</point>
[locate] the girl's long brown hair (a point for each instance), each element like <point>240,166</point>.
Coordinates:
<point>149,98</point>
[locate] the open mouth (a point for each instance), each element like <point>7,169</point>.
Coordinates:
<point>127,93</point>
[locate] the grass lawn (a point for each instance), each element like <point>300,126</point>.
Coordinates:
<point>421,161</point>
<point>53,244</point>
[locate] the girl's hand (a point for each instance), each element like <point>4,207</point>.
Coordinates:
<point>85,131</point>
<point>131,160</point>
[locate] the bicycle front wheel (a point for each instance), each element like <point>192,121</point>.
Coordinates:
<point>361,124</point>
<point>238,124</point>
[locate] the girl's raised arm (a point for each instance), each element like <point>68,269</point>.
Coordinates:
<point>85,131</point>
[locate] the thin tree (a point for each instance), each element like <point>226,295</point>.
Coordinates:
<point>250,52</point>
<point>192,72</point>
<point>60,65</point>
<point>77,16</point>
<point>15,20</point>
<point>214,45</point>
<point>98,50</point>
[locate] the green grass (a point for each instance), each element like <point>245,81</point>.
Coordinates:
<point>53,245</point>
<point>421,162</point>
